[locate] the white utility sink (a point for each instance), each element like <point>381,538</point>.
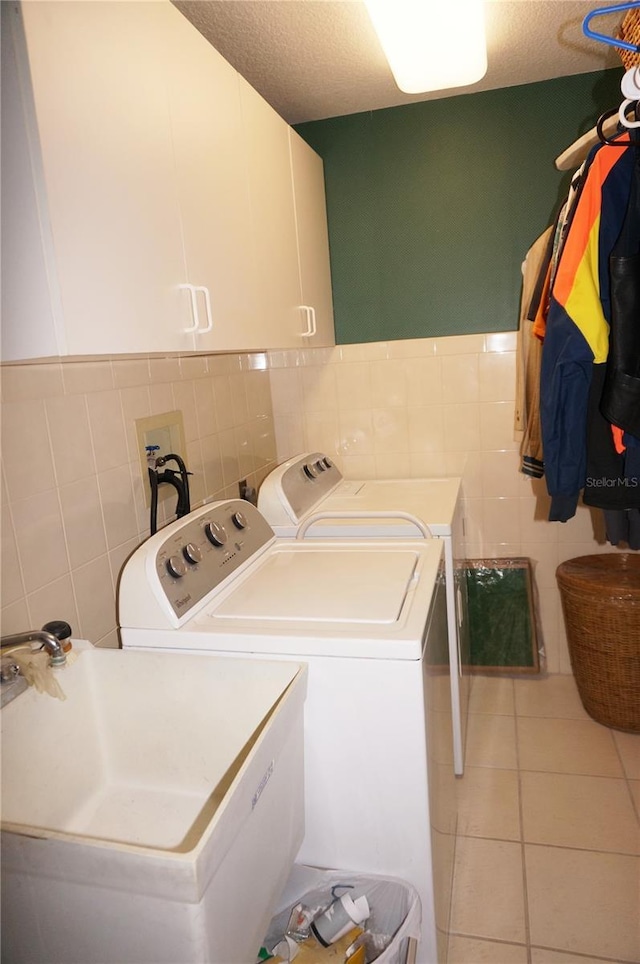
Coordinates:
<point>155,813</point>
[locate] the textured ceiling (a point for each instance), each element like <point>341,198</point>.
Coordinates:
<point>312,59</point>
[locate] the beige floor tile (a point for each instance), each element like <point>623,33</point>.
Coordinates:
<point>483,868</point>
<point>491,741</point>
<point>629,747</point>
<point>444,846</point>
<point>567,810</point>
<point>549,696</point>
<point>439,692</point>
<point>443,795</point>
<point>491,695</point>
<point>440,745</point>
<point>584,903</point>
<point>567,746</point>
<point>540,955</point>
<point>470,950</point>
<point>488,803</point>
<point>635,793</point>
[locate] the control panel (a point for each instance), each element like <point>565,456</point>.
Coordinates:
<point>307,480</point>
<point>200,552</point>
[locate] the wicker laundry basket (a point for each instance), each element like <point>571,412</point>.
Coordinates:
<point>601,605</point>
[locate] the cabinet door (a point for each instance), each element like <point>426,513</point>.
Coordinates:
<point>313,238</point>
<point>279,319</point>
<point>213,187</point>
<point>28,315</point>
<point>103,124</point>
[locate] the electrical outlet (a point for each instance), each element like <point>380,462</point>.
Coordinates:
<point>167,432</point>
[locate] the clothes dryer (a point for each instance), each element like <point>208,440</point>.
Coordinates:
<point>308,494</point>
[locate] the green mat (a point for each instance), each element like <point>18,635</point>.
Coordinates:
<point>501,618</point>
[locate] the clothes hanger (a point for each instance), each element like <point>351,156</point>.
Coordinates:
<point>605,38</point>
<point>605,131</point>
<point>575,154</point>
<point>630,85</point>
<point>613,116</point>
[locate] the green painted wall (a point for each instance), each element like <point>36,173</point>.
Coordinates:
<point>432,206</point>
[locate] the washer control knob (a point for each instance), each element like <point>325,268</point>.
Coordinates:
<point>215,533</point>
<point>239,520</point>
<point>192,553</point>
<point>176,567</point>
<point>310,470</point>
<point>328,464</point>
<point>320,466</point>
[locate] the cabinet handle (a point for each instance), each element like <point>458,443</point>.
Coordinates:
<point>194,306</point>
<point>195,314</point>
<point>311,321</point>
<point>207,304</point>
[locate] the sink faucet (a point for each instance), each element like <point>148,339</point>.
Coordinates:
<point>47,640</point>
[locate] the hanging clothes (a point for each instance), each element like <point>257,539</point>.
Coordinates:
<point>577,328</point>
<point>612,478</point>
<point>620,402</point>
<point>545,253</point>
<point>540,302</point>
<point>613,427</point>
<point>623,526</point>
<point>529,356</point>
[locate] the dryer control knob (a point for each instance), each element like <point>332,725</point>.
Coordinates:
<point>320,466</point>
<point>328,464</point>
<point>192,553</point>
<point>176,567</point>
<point>239,520</point>
<point>215,533</point>
<point>310,470</point>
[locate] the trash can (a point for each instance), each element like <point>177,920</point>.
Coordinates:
<point>601,605</point>
<point>396,914</point>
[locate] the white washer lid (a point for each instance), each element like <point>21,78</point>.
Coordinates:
<point>374,602</point>
<point>347,586</point>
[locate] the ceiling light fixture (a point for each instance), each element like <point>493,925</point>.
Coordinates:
<point>430,44</point>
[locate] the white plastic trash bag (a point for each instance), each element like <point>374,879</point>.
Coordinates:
<point>394,903</point>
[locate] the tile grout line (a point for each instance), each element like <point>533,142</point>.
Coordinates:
<point>525,892</point>
<point>579,954</point>
<point>626,777</point>
<point>548,846</point>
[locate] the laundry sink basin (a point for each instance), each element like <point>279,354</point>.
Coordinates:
<point>162,784</point>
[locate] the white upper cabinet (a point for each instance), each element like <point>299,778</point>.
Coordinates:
<point>313,241</point>
<point>29,317</point>
<point>290,237</point>
<point>147,192</point>
<point>279,318</point>
<point>96,117</point>
<point>213,189</point>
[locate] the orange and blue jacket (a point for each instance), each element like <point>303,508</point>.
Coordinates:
<point>577,330</point>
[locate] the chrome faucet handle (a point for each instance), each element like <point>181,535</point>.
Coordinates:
<point>50,641</point>
<point>61,630</point>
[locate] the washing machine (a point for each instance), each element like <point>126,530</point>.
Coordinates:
<point>308,493</point>
<point>369,620</point>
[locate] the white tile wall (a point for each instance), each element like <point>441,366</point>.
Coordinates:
<point>73,497</point>
<point>435,406</point>
<point>72,493</point>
